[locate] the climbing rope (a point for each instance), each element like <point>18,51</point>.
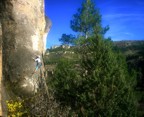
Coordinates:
<point>40,98</point>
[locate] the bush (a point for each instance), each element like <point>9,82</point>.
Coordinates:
<point>16,108</point>
<point>101,86</point>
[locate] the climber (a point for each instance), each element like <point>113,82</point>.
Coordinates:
<point>38,63</point>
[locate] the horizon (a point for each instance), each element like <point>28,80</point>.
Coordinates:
<point>124,17</point>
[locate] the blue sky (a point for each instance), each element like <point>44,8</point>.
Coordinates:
<point>124,17</point>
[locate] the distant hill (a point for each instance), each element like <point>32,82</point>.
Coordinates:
<point>132,45</point>
<point>129,42</point>
<point>126,47</point>
<point>133,50</point>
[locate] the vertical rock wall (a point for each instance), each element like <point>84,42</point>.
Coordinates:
<point>0,52</point>
<point>23,29</point>
<point>0,71</point>
<point>47,29</point>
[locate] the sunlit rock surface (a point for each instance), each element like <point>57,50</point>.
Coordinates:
<point>47,29</point>
<point>24,32</point>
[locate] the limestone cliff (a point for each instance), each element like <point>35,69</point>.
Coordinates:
<point>0,70</point>
<point>47,29</point>
<point>23,35</point>
<point>0,41</point>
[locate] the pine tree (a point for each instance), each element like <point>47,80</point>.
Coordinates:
<point>64,82</point>
<point>86,19</point>
<point>101,85</point>
<point>107,87</point>
<point>67,39</point>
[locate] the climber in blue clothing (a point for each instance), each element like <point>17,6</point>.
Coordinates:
<point>38,63</point>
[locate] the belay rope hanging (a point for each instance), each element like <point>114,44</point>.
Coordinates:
<point>40,100</point>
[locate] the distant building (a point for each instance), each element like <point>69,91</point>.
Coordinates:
<point>65,46</point>
<point>54,47</point>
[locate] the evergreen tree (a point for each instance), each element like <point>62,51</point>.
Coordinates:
<point>86,19</point>
<point>100,85</point>
<point>64,81</point>
<point>67,39</point>
<point>107,87</point>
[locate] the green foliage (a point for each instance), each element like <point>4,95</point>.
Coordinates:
<point>55,56</point>
<point>100,87</point>
<point>111,82</point>
<point>64,74</point>
<point>67,39</point>
<point>134,52</point>
<point>16,108</point>
<point>87,19</point>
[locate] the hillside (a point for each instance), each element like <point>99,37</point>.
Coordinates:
<point>132,50</point>
<point>55,54</point>
<point>128,48</point>
<point>131,47</point>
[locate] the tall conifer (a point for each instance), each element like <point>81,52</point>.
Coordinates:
<point>100,86</point>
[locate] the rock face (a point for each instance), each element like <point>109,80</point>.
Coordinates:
<point>23,35</point>
<point>0,49</point>
<point>47,29</point>
<point>0,70</point>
